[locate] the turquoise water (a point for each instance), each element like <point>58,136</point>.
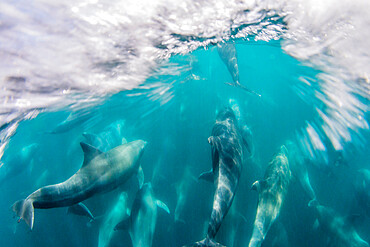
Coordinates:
<point>174,110</point>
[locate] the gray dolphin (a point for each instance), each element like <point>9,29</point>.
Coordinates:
<point>100,172</point>
<point>18,163</point>
<point>271,193</point>
<point>298,168</point>
<point>228,55</point>
<point>142,221</point>
<point>115,215</point>
<point>227,157</point>
<point>339,229</point>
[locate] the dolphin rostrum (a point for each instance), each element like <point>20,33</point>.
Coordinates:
<point>100,172</point>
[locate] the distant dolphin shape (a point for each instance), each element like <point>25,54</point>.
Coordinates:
<point>115,215</point>
<point>298,168</point>
<point>340,230</point>
<point>75,119</point>
<point>227,158</point>
<point>182,192</point>
<point>142,221</point>
<point>110,138</point>
<point>100,172</point>
<point>271,193</point>
<point>18,163</point>
<point>362,189</point>
<point>228,55</point>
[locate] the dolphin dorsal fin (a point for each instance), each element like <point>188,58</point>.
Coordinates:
<point>90,153</point>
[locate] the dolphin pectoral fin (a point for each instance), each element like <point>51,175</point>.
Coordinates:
<point>81,209</point>
<point>210,140</point>
<point>24,209</point>
<point>123,225</point>
<point>90,153</point>
<point>255,186</point>
<point>140,177</point>
<point>207,176</point>
<point>163,206</point>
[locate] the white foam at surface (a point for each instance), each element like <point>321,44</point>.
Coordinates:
<point>57,53</point>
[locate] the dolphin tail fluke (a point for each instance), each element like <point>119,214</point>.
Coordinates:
<point>24,210</point>
<point>205,243</point>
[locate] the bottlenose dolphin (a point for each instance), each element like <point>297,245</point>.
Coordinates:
<point>298,168</point>
<point>340,230</point>
<point>118,212</point>
<point>142,221</point>
<point>228,55</point>
<point>100,172</point>
<point>227,157</point>
<point>271,193</point>
<point>18,163</point>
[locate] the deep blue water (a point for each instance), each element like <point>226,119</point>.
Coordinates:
<point>175,113</point>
